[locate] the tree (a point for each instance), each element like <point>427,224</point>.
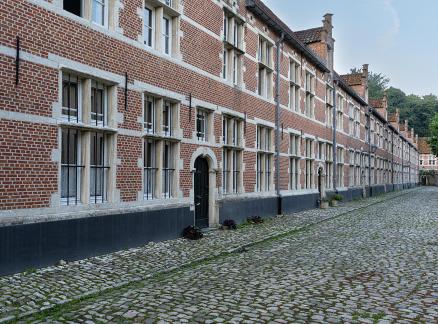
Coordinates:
<point>396,98</point>
<point>433,131</point>
<point>377,84</point>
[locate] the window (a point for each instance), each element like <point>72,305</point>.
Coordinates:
<point>265,82</point>
<point>98,103</point>
<point>202,125</point>
<point>77,141</point>
<point>73,6</point>
<point>357,122</point>
<point>351,170</point>
<point>168,170</point>
<point>99,12</point>
<point>98,168</point>
<point>309,155</point>
<point>148,26</point>
<point>70,168</point>
<point>160,153</point>
<point>329,107</point>
<point>149,115</point>
<point>149,169</point>
<point>166,34</point>
<point>232,55</point>
<point>294,151</point>
<point>167,119</point>
<point>351,122</point>
<point>340,166</point>
<point>294,91</point>
<point>264,158</point>
<point>321,150</point>
<point>96,10</point>
<point>231,170</point>
<point>329,165</point>
<point>340,113</point>
<point>232,154</point>
<point>310,95</point>
<point>70,97</point>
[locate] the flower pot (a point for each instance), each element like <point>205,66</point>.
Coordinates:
<point>225,228</point>
<point>334,203</point>
<point>324,205</point>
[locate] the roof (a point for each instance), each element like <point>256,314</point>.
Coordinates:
<point>348,89</point>
<point>311,35</point>
<point>423,146</point>
<point>269,18</point>
<point>353,79</point>
<point>377,103</point>
<point>392,117</point>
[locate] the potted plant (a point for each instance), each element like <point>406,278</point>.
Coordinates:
<point>336,199</point>
<point>324,203</point>
<point>254,220</point>
<point>192,233</point>
<point>229,224</point>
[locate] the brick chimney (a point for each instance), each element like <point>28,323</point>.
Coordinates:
<point>327,38</point>
<point>365,81</point>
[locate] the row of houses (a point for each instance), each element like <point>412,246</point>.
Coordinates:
<point>124,121</point>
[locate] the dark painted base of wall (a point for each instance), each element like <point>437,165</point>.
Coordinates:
<point>240,209</point>
<point>43,244</point>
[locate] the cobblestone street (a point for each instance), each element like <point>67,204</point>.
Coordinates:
<point>367,261</point>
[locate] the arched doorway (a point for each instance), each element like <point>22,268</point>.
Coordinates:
<point>201,192</point>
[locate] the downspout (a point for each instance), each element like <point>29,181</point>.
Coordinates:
<point>403,165</point>
<point>392,159</point>
<point>335,157</point>
<point>369,148</point>
<point>277,125</point>
<point>409,156</point>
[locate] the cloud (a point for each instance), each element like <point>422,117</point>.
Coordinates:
<point>389,36</point>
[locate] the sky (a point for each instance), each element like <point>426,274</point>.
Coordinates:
<point>398,38</point>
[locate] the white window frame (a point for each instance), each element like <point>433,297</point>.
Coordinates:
<point>165,36</point>
<point>105,4</point>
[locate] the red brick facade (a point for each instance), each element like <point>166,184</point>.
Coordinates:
<point>54,42</point>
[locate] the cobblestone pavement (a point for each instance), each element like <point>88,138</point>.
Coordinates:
<point>371,263</point>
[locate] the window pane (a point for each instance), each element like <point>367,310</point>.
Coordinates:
<point>98,12</point>
<point>148,27</point>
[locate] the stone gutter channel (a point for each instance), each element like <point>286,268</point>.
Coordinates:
<point>29,293</point>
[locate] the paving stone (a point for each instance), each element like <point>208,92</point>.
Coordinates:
<point>367,264</point>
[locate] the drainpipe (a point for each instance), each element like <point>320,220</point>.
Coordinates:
<point>409,157</point>
<point>369,148</point>
<point>277,125</point>
<point>335,156</point>
<point>392,159</point>
<point>403,165</point>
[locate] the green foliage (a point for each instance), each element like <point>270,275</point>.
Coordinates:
<point>433,131</point>
<point>377,83</point>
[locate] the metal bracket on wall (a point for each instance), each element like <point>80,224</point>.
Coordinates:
<point>17,63</point>
<point>126,91</point>
<point>244,123</point>
<point>282,130</point>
